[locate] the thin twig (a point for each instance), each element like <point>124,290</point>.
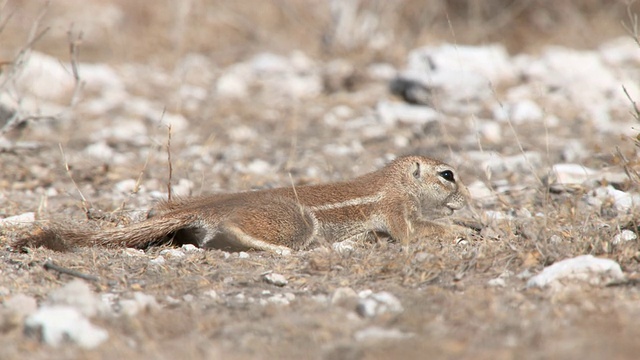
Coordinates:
<point>74,50</point>
<point>49,265</point>
<point>136,187</point>
<point>628,169</point>
<point>5,21</point>
<point>169,160</point>
<point>85,206</point>
<point>632,28</point>
<point>636,111</point>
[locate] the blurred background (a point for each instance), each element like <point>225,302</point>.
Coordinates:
<point>164,30</point>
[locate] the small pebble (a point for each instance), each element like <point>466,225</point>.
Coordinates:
<point>191,248</point>
<point>624,236</point>
<point>344,295</point>
<point>379,303</point>
<point>160,260</point>
<point>77,294</point>
<point>172,253</point>
<point>497,282</point>
<point>376,334</point>
<point>55,324</point>
<point>140,302</point>
<point>275,279</point>
<point>22,219</point>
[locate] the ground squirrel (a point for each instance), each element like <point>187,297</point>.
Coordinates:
<point>398,201</point>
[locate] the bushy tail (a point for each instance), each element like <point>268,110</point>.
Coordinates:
<point>61,237</point>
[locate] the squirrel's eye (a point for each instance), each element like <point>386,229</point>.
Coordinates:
<point>447,175</point>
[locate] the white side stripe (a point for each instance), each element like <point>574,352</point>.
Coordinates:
<point>351,202</point>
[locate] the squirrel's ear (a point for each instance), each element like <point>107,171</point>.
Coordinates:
<point>415,170</point>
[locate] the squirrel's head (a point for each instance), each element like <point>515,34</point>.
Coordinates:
<point>433,184</point>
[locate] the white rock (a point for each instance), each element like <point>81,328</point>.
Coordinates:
<point>270,63</point>
<point>212,294</point>
<point>519,112</point>
<point>622,201</point>
<point>160,260</point>
<point>172,253</point>
<point>391,113</point>
<point>377,334</point>
<point>582,268</point>
<point>259,166</point>
<point>45,77</point>
<point>58,323</point>
<point>183,188</point>
<point>126,186</point>
<point>243,255</point>
<point>146,109</point>
<point>624,236</point>
<point>240,133</point>
<point>234,83</point>
<point>491,63</point>
<point>580,76</point>
<point>455,77</point>
<point>378,304</point>
<point>192,97</point>
<point>620,52</point>
<point>195,69</point>
<point>283,252</point>
<point>574,150</point>
<point>343,295</point>
<point>22,219</point>
<point>490,131</point>
<point>281,299</point>
<point>321,299</point>
<point>497,282</point>
<point>177,121</point>
<point>480,191</point>
<point>140,302</point>
<point>275,75</point>
<point>100,77</point>
<point>276,279</point>
<point>123,130</point>
<point>569,174</point>
<point>555,239</point>
<point>109,100</point>
<point>77,294</point>
<point>345,247</point>
<point>21,304</point>
<point>610,177</point>
<point>191,248</point>
<point>353,148</point>
<point>100,150</point>
<point>339,116</point>
<point>527,163</point>
<point>134,252</point>
<point>381,71</point>
<point>525,274</point>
